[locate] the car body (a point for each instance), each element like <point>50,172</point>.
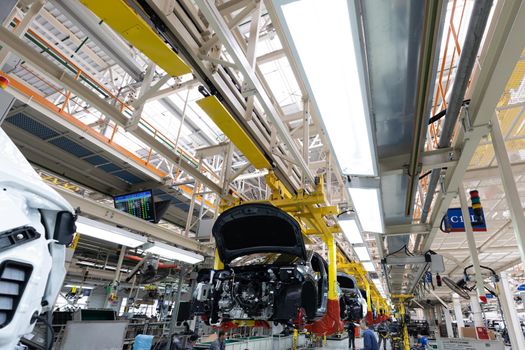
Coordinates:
<point>353,305</point>
<point>268,274</point>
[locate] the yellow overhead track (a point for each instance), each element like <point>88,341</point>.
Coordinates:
<point>229,126</point>
<point>125,21</point>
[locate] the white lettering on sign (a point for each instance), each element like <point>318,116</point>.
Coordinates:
<point>469,344</point>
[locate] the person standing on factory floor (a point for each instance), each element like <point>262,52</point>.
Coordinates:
<point>220,342</point>
<point>369,338</point>
<point>351,335</point>
<point>383,330</point>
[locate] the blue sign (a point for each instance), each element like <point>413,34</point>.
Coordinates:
<point>454,221</point>
<point>521,287</point>
<point>489,296</point>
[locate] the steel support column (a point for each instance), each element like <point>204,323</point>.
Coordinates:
<point>509,186</point>
<point>457,311</point>
<point>448,322</point>
<point>470,239</point>
<point>497,59</point>
<point>476,311</point>
<point>116,279</point>
<point>509,312</point>
<point>175,310</point>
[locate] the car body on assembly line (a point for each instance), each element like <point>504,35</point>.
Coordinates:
<point>352,303</point>
<point>268,274</point>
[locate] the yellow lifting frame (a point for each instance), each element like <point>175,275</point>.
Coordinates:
<point>357,269</point>
<point>125,21</point>
<point>231,128</point>
<point>401,298</point>
<point>310,211</point>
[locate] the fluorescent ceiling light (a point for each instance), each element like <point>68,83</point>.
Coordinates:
<point>368,206</point>
<point>78,286</point>
<point>108,233</point>
<point>362,253</point>
<point>351,231</point>
<point>174,253</point>
<point>324,38</point>
<point>369,266</point>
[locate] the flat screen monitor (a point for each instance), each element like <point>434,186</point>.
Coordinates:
<point>139,204</point>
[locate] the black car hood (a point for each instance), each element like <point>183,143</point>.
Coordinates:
<point>346,281</point>
<point>257,228</point>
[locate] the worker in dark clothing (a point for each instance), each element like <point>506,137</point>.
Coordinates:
<point>220,342</point>
<point>383,329</point>
<point>369,338</point>
<point>351,335</point>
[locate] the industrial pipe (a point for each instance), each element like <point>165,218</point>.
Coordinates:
<point>475,30</point>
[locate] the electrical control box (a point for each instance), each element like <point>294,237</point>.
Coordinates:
<point>437,265</point>
<point>204,230</point>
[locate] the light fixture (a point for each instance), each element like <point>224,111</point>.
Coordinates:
<point>369,266</point>
<point>351,230</point>
<point>367,203</point>
<point>78,286</point>
<point>174,253</point>
<point>314,30</point>
<point>108,233</point>
<point>362,253</point>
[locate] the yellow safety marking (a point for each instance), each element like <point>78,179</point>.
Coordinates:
<point>217,263</point>
<point>125,21</point>
<point>75,241</point>
<point>229,126</point>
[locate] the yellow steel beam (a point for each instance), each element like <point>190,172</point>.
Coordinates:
<point>406,341</point>
<point>279,191</point>
<point>229,126</point>
<point>402,297</point>
<point>125,21</point>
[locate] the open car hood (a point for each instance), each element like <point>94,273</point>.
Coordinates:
<point>257,228</point>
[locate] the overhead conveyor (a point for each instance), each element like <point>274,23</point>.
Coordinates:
<point>184,31</point>
<point>224,120</point>
<point>123,19</point>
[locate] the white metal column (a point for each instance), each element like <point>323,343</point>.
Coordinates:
<point>448,322</point>
<point>470,239</point>
<point>509,186</point>
<point>476,311</point>
<point>509,312</point>
<point>438,319</point>
<point>457,311</point>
